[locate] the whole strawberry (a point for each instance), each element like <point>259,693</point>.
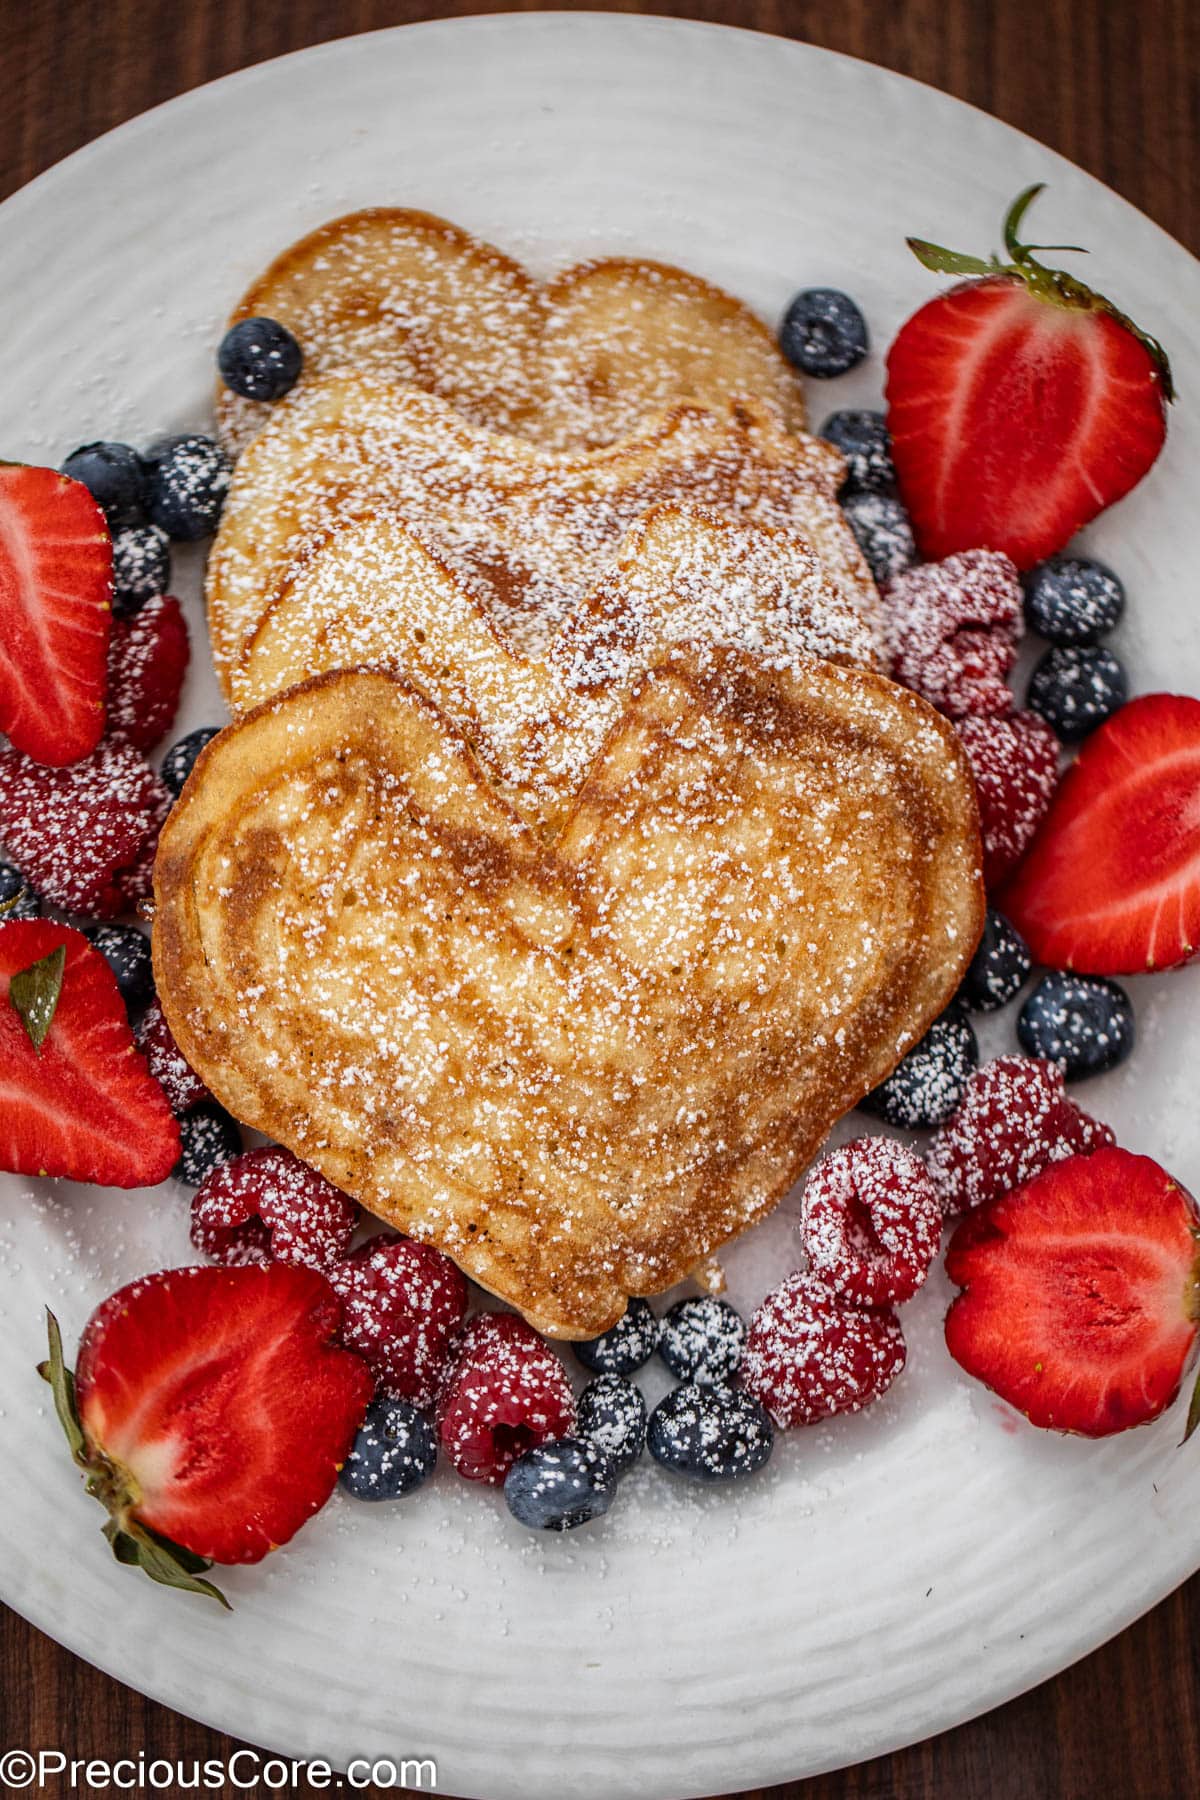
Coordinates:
<point>210,1410</point>
<point>1020,404</point>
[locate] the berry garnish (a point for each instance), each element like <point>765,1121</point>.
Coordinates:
<point>871,1222</point>
<point>1076,689</point>
<point>188,481</point>
<point>702,1339</point>
<point>56,585</point>
<point>210,1410</point>
<point>952,630</point>
<point>208,1137</point>
<point>710,1433</point>
<point>403,1303</point>
<point>167,1063</point>
<point>926,1085</point>
<point>82,834</point>
<point>999,968</point>
<point>268,1206</point>
<point>864,441</point>
<point>126,950</point>
<point>147,661</point>
<point>504,1391</point>
<point>1111,885</point>
<point>1014,1121</point>
<point>625,1346</point>
<point>141,567</point>
<point>180,759</point>
<point>1084,1023</point>
<point>823,332</point>
<point>884,535</point>
<point>78,1100</point>
<point>1015,765</point>
<point>394,1452</point>
<point>612,1415</point>
<point>18,898</point>
<point>809,1356</point>
<point>1082,1301</point>
<point>1072,600</point>
<point>115,476</point>
<point>1020,404</point>
<point>555,1487</point>
<point>259,359</point>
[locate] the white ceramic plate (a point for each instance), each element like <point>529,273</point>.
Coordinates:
<point>889,1575</point>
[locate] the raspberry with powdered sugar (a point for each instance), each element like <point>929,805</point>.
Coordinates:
<point>871,1221</point>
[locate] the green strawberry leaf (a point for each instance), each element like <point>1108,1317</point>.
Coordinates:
<point>34,993</point>
<point>168,1563</point>
<point>948,262</point>
<point>62,1386</point>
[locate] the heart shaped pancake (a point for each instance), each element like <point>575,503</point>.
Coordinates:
<point>578,1068</point>
<point>573,364</point>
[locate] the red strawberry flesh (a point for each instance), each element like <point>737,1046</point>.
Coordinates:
<point>84,1107</point>
<point>1082,1294</point>
<point>224,1398</point>
<point>1111,884</point>
<point>1015,419</point>
<point>55,613</point>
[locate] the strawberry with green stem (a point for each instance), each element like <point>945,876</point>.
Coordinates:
<point>1020,404</point>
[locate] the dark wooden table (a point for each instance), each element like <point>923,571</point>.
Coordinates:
<point>1113,84</point>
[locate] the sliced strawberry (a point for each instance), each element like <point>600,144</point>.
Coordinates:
<point>55,613</point>
<point>1020,405</point>
<point>83,1106</point>
<point>216,1408</point>
<point>1082,1301</point>
<point>85,836</point>
<point>1111,885</point>
<point>147,661</point>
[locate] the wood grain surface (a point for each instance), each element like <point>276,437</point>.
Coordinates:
<point>1113,84</point>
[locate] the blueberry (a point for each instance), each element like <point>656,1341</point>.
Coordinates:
<point>208,1137</point>
<point>1076,688</point>
<point>260,359</point>
<point>823,332</point>
<point>711,1434</point>
<point>702,1340</point>
<point>141,566</point>
<point>612,1415</point>
<point>559,1485</point>
<point>394,1452</point>
<point>126,950</point>
<point>115,477</point>
<point>926,1085</point>
<point>26,902</point>
<point>1084,1023</point>
<point>999,968</point>
<point>625,1346</point>
<point>1071,600</point>
<point>189,478</point>
<point>884,533</point>
<point>865,442</point>
<point>180,759</point>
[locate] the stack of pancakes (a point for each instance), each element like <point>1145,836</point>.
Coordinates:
<point>569,867</point>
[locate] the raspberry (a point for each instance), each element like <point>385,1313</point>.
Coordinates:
<point>952,630</point>
<point>1015,765</point>
<point>1015,1119</point>
<point>147,660</point>
<point>402,1303</point>
<point>808,1356</point>
<point>267,1206</point>
<point>871,1221</point>
<point>504,1392</point>
<point>168,1065</point>
<point>84,835</point>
